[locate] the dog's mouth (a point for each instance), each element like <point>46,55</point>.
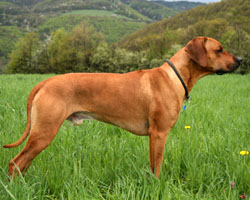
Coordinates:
<point>238,61</point>
<point>221,72</point>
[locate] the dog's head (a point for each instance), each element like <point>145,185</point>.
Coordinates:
<point>209,54</point>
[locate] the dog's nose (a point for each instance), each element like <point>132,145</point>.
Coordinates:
<point>239,59</point>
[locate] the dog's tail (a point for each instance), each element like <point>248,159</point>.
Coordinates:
<point>32,95</point>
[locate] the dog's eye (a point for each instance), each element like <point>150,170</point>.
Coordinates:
<point>220,50</point>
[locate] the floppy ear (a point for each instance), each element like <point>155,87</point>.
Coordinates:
<point>196,51</point>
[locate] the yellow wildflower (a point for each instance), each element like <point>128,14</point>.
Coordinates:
<point>243,153</point>
<point>187,127</point>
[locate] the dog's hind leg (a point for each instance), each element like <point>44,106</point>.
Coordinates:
<point>46,122</point>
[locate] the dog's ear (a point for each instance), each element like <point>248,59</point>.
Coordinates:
<point>197,51</point>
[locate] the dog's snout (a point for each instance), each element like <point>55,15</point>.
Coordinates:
<point>238,59</point>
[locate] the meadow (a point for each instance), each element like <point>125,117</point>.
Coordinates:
<point>95,13</point>
<point>113,28</point>
<point>100,161</point>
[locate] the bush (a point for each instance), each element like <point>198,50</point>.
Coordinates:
<point>237,42</point>
<point>101,60</point>
<point>22,58</point>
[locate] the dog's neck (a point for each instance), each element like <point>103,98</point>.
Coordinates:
<point>190,71</point>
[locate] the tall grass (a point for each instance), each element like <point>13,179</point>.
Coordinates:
<point>100,161</point>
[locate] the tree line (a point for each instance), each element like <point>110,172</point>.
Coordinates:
<point>84,50</point>
<point>80,50</point>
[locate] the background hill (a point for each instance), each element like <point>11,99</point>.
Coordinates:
<point>53,25</point>
<point>227,21</point>
<point>229,13</point>
<point>34,11</point>
<point>179,5</point>
<point>113,18</point>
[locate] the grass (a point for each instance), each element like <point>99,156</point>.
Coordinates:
<point>99,13</point>
<point>100,161</point>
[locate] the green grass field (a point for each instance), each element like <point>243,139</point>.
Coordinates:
<point>99,13</point>
<point>100,161</point>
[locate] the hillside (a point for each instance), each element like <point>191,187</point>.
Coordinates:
<point>151,9</point>
<point>31,13</point>
<point>113,18</point>
<point>227,21</point>
<point>179,5</point>
<point>112,28</point>
<point>135,9</point>
<point>230,12</point>
<point>59,46</point>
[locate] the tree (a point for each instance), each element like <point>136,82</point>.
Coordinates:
<point>54,50</point>
<point>22,57</point>
<point>71,52</point>
<point>101,60</point>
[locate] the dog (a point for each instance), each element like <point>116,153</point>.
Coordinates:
<point>144,102</point>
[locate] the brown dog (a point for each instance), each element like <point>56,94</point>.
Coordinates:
<point>144,102</point>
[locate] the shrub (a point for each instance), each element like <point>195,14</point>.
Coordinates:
<point>22,58</point>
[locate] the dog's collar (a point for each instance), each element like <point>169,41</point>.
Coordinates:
<point>179,76</point>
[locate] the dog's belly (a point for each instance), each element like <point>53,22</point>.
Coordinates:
<point>138,128</point>
<point>78,117</point>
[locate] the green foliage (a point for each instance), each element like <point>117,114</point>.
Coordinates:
<point>102,59</point>
<point>18,14</point>
<point>81,50</point>
<point>158,10</point>
<point>174,48</point>
<point>106,59</point>
<point>65,6</point>
<point>112,28</point>
<point>69,52</point>
<point>179,5</point>
<point>157,45</point>
<point>63,52</point>
<point>95,13</point>
<point>9,35</point>
<point>8,8</point>
<point>67,22</point>
<point>22,58</point>
<point>130,12</point>
<point>152,10</point>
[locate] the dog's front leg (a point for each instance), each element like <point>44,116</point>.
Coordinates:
<point>157,140</point>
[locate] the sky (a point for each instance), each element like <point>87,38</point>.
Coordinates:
<point>203,1</point>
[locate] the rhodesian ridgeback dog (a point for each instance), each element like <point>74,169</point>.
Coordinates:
<point>144,102</point>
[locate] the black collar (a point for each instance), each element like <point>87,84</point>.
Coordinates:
<point>179,76</point>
